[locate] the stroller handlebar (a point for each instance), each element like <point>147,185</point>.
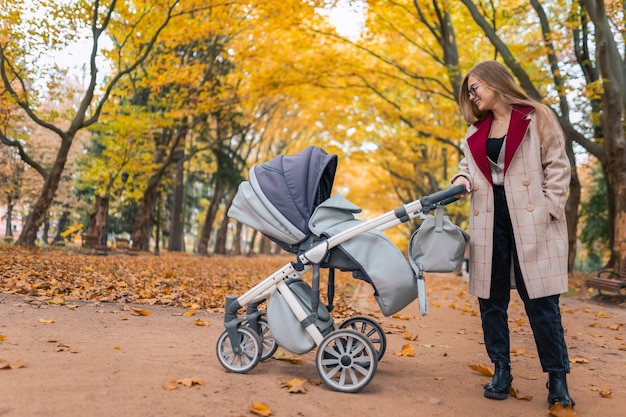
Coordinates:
<point>443,197</point>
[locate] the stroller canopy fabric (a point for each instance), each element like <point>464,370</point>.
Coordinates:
<point>280,195</point>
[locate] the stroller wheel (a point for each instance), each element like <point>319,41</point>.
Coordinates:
<point>267,340</point>
<point>371,329</point>
<point>249,355</point>
<point>346,360</point>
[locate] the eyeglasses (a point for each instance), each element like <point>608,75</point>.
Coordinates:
<point>471,93</point>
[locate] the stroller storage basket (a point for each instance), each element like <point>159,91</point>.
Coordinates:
<point>286,328</point>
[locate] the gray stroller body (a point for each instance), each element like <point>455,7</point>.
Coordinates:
<point>288,200</point>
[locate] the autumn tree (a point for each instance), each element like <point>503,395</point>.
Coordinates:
<point>566,52</point>
<point>29,28</point>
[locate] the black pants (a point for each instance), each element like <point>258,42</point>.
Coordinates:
<point>543,313</point>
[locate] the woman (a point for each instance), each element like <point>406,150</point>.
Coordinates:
<point>517,170</point>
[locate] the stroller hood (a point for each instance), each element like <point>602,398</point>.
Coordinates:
<point>280,195</point>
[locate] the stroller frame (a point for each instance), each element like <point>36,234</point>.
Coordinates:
<point>347,355</point>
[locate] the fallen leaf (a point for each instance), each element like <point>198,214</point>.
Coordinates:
<point>57,301</point>
<point>199,322</point>
<point>407,350</point>
<point>190,312</point>
<point>579,360</point>
<point>11,365</point>
<point>485,370</point>
<point>558,410</point>
<point>294,386</point>
<point>604,391</point>
<point>279,355</point>
<point>514,392</point>
<point>170,385</point>
<point>260,409</point>
<point>139,312</point>
<point>409,336</point>
<point>2,337</point>
<point>188,382</point>
<point>50,321</point>
<point>62,347</point>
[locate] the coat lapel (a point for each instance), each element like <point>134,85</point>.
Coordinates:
<point>517,130</point>
<point>477,142</point>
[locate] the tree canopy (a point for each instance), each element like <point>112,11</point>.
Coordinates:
<point>184,96</point>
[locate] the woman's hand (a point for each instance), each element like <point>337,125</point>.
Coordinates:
<point>464,182</point>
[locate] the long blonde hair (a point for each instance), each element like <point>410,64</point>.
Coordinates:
<point>497,77</point>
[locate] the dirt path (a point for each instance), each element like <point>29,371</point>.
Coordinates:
<point>102,360</point>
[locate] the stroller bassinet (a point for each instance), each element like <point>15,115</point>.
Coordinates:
<point>288,200</point>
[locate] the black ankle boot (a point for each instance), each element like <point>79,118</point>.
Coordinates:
<point>498,387</point>
<point>557,387</point>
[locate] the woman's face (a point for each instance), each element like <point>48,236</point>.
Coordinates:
<point>482,95</point>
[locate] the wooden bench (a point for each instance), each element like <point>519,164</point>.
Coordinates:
<point>92,242</point>
<point>122,244</point>
<point>609,280</point>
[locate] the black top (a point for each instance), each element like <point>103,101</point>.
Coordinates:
<point>494,145</point>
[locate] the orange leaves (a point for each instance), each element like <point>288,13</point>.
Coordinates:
<point>4,364</point>
<point>407,350</point>
<point>294,386</point>
<point>139,312</point>
<point>558,410</point>
<point>482,369</point>
<point>63,347</point>
<point>187,382</point>
<point>604,391</point>
<point>2,337</point>
<point>282,356</point>
<point>409,336</point>
<point>260,409</point>
<point>179,280</point>
<point>47,321</point>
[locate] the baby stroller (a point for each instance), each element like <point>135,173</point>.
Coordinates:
<point>288,200</point>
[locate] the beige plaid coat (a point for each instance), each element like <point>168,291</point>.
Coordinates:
<point>536,178</point>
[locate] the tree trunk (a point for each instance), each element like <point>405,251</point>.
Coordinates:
<point>97,222</point>
<point>237,239</point>
<point>8,229</point>
<point>176,222</point>
<point>207,226</point>
<point>611,69</point>
<point>142,227</point>
<point>255,234</point>
<point>222,232</point>
<point>265,246</point>
<point>220,239</point>
<point>64,221</point>
<point>44,201</point>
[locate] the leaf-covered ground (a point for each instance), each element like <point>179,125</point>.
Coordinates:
<point>154,354</point>
<point>173,279</point>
